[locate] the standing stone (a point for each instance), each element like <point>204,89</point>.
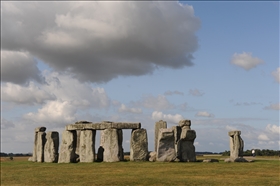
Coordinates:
<point>177,135</point>
<point>51,147</point>
<point>236,144</point>
<point>112,145</point>
<point>139,145</point>
<point>166,145</point>
<point>38,129</point>
<point>41,139</point>
<point>158,125</point>
<point>87,145</point>
<point>68,147</point>
<point>120,141</point>
<point>101,149</point>
<point>34,155</point>
<point>187,149</point>
<point>78,132</point>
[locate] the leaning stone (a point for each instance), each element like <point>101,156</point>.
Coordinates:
<point>111,145</point>
<point>158,125</point>
<point>87,146</point>
<point>185,123</point>
<point>153,156</point>
<point>68,147</point>
<point>139,145</point>
<point>51,147</point>
<point>41,139</point>
<point>166,146</point>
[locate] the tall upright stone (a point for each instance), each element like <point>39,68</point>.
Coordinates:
<point>87,145</point>
<point>185,145</point>
<point>38,129</point>
<point>100,150</point>
<point>139,145</point>
<point>51,147</point>
<point>41,140</point>
<point>158,125</point>
<point>166,145</point>
<point>112,145</point>
<point>236,144</point>
<point>78,132</point>
<point>68,147</point>
<point>177,136</point>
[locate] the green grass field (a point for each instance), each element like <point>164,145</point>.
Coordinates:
<point>264,171</point>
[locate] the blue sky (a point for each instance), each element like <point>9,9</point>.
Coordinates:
<point>215,63</point>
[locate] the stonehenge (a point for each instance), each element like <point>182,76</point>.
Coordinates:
<point>78,143</point>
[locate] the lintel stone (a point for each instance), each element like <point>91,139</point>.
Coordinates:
<point>102,126</point>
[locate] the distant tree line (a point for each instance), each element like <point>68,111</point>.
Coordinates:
<point>258,152</point>
<point>3,154</point>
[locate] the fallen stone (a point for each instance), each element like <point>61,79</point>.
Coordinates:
<point>153,156</point>
<point>158,125</point>
<point>87,146</point>
<point>51,147</point>
<point>239,159</point>
<point>68,147</point>
<point>210,160</point>
<point>139,145</point>
<point>166,145</point>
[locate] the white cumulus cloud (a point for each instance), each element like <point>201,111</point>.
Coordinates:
<point>204,114</point>
<point>263,137</point>
<point>167,117</point>
<point>273,129</point>
<point>245,60</point>
<point>276,74</point>
<point>124,108</point>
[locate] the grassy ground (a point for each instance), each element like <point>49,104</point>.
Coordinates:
<point>264,171</point>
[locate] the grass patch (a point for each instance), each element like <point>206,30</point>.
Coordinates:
<point>263,171</point>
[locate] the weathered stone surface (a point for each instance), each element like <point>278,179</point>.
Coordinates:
<point>236,144</point>
<point>185,123</point>
<point>158,125</point>
<point>210,160</point>
<point>102,126</point>
<point>139,145</point>
<point>68,147</point>
<point>34,155</point>
<point>87,146</point>
<point>234,132</point>
<point>153,156</point>
<point>41,139</point>
<point>51,147</point>
<point>188,134</point>
<point>111,144</point>
<point>120,141</point>
<point>187,151</point>
<point>177,135</point>
<point>100,151</point>
<point>40,129</point>
<point>166,145</point>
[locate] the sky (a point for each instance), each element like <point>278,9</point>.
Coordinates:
<point>214,63</point>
